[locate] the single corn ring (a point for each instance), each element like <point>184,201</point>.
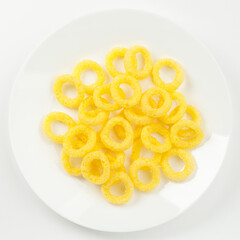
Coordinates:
<point>117,52</point>
<point>188,168</point>
<point>89,64</point>
<point>139,165</point>
<point>64,100</point>
<point>116,177</point>
<point>130,62</point>
<point>179,77</point>
<point>186,142</point>
<point>176,115</point>
<point>113,145</point>
<point>75,171</point>
<point>196,117</point>
<point>136,150</point>
<point>116,94</point>
<point>73,133</point>
<point>156,146</point>
<point>147,107</point>
<point>60,117</point>
<point>136,116</point>
<point>101,116</point>
<point>86,167</point>
<point>101,103</point>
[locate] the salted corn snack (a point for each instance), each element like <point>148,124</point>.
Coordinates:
<point>183,174</point>
<point>186,142</point>
<point>115,178</point>
<point>64,100</point>
<point>140,164</point>
<point>60,117</point>
<point>116,94</point>
<point>176,115</point>
<point>99,117</point>
<point>130,62</point>
<point>75,171</point>
<point>156,146</point>
<point>86,65</point>
<point>74,132</point>
<point>179,74</point>
<point>150,110</point>
<point>113,145</point>
<point>86,167</point>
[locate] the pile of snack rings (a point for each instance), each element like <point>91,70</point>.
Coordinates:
<point>125,123</point>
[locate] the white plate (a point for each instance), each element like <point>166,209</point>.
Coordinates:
<point>92,37</point>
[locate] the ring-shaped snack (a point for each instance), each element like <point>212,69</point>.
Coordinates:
<point>130,62</point>
<point>117,96</point>
<point>156,146</point>
<point>60,117</point>
<point>64,100</point>
<point>196,117</point>
<point>147,107</point>
<point>115,178</point>
<point>99,118</point>
<point>186,142</point>
<point>113,145</point>
<point>169,172</point>
<point>143,163</point>
<point>86,65</point>
<point>86,167</point>
<point>179,74</point>
<point>75,171</point>
<point>74,132</point>
<point>176,115</point>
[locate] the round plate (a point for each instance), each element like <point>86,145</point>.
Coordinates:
<point>92,37</point>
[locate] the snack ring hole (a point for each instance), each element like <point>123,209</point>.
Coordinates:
<point>118,64</point>
<point>88,77</point>
<point>69,90</point>
<point>127,90</point>
<point>167,73</point>
<point>140,61</point>
<point>58,128</point>
<point>145,176</point>
<point>158,137</point>
<point>118,188</point>
<point>176,163</point>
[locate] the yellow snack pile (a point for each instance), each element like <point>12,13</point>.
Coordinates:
<point>125,123</point>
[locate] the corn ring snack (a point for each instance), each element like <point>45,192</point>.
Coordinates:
<point>179,77</point>
<point>64,100</point>
<point>89,64</point>
<point>60,117</point>
<point>156,146</point>
<point>143,163</point>
<point>113,145</point>
<point>136,150</point>
<point>188,168</point>
<point>116,94</point>
<point>130,62</point>
<point>186,142</point>
<point>86,167</point>
<point>112,54</point>
<point>75,171</point>
<point>101,103</point>
<point>73,133</point>
<point>136,116</point>
<point>115,178</point>
<point>147,105</point>
<point>99,118</point>
<point>196,117</point>
<point>176,115</point>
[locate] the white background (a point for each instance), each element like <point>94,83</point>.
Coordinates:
<point>25,23</point>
